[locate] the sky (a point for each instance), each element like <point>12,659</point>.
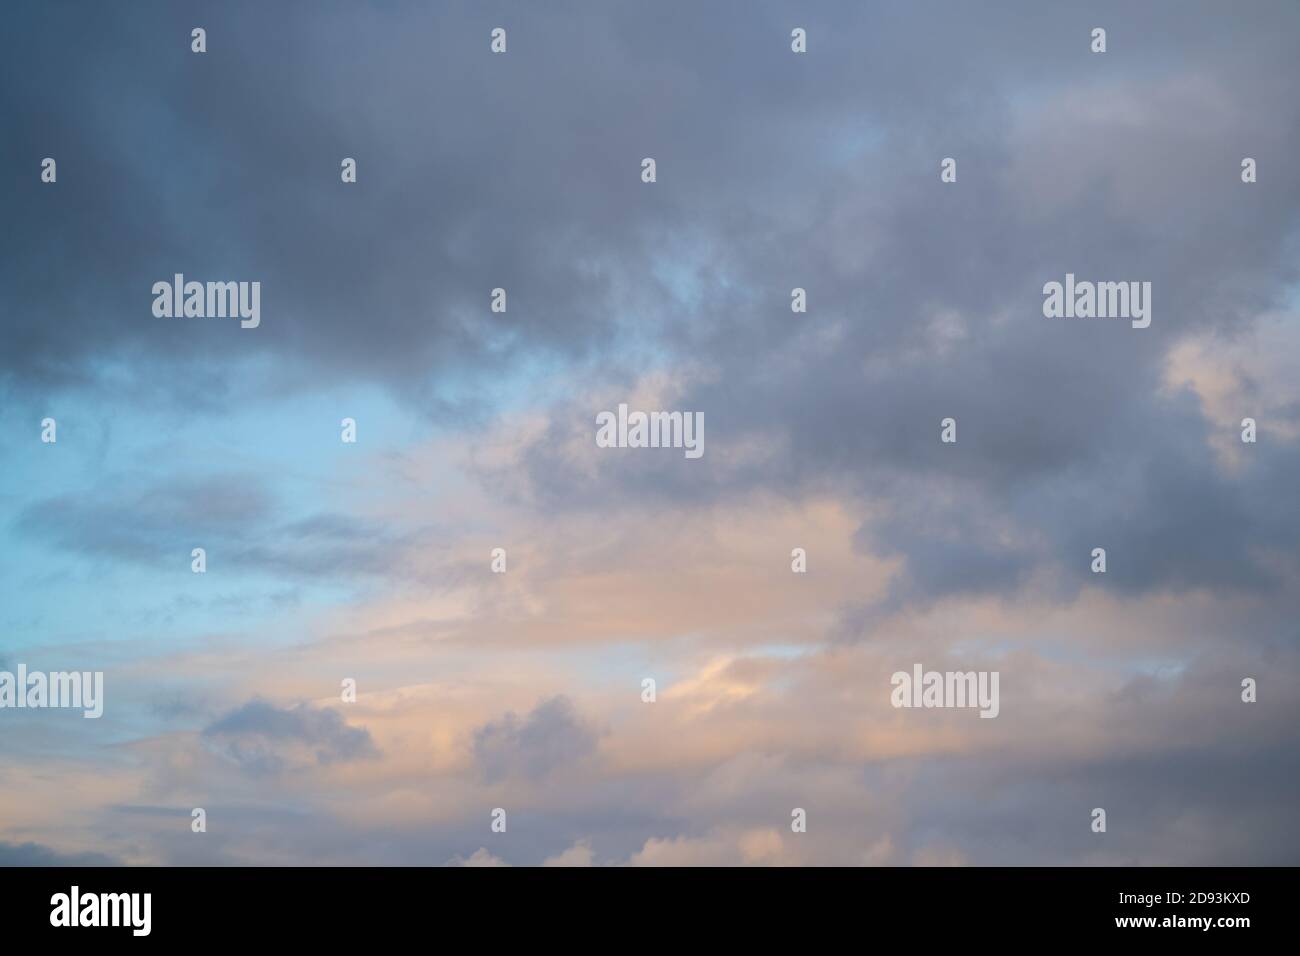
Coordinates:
<point>371,561</point>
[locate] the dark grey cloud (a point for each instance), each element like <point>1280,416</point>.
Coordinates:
<point>925,299</point>
<point>775,170</point>
<point>227,165</point>
<point>265,739</point>
<point>552,736</point>
<point>1193,801</point>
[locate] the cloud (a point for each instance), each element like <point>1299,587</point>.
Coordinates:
<point>579,854</point>
<point>264,739</point>
<point>34,854</point>
<point>480,857</point>
<point>550,737</point>
<point>418,266</point>
<point>775,171</point>
<point>745,848</point>
<point>237,518</point>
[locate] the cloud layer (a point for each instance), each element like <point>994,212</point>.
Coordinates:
<point>523,690</point>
